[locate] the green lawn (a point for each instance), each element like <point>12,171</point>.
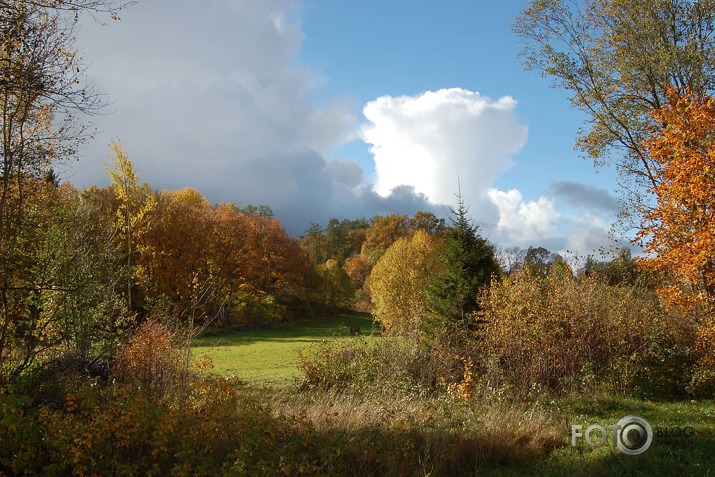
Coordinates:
<point>271,356</point>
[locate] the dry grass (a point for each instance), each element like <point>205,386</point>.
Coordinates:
<point>396,434</point>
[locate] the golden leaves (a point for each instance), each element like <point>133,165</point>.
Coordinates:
<point>202,256</point>
<point>679,232</point>
<point>398,281</point>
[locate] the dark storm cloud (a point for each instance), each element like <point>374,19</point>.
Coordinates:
<point>349,173</point>
<point>585,196</point>
<point>208,95</point>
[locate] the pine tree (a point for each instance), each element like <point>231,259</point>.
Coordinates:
<point>469,262</point>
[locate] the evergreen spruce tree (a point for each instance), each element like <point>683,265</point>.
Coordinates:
<point>469,263</point>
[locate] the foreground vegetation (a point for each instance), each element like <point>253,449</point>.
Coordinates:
<point>348,413</point>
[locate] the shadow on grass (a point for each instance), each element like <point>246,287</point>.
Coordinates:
<point>683,439</point>
<point>693,457</point>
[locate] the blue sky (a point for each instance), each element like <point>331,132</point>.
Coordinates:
<point>346,109</point>
<point>373,48</point>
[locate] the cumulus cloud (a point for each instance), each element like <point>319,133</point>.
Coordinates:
<point>520,220</point>
<point>428,140</point>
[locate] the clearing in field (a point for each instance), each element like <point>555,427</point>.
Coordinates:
<point>271,356</point>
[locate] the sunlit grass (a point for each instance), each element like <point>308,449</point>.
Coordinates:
<point>272,355</point>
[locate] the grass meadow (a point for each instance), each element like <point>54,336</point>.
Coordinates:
<point>493,435</point>
<point>271,356</point>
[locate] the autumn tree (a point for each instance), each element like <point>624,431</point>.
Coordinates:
<point>201,261</point>
<point>511,259</point>
<point>135,203</point>
<point>28,280</point>
<point>334,289</point>
<point>314,243</point>
<point>279,265</point>
<point>344,239</point>
<point>622,269</point>
<point>383,232</point>
<point>358,270</point>
<point>81,258</point>
<point>399,282</point>
<point>228,238</point>
<point>618,58</point>
<point>538,260</point>
<point>428,222</point>
<point>678,233</point>
<point>259,210</point>
<point>173,251</point>
<point>43,90</point>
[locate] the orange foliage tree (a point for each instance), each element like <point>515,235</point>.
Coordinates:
<point>678,233</point>
<point>173,249</point>
<point>215,260</point>
<point>275,264</point>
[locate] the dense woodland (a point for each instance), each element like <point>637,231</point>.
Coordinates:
<point>103,289</point>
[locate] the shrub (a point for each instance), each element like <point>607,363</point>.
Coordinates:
<point>558,333</point>
<point>703,380</point>
<point>389,363</point>
<point>206,428</point>
<point>151,360</point>
<point>20,436</point>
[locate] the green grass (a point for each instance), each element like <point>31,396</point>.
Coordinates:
<point>271,356</point>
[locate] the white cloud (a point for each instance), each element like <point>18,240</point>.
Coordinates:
<point>427,141</point>
<point>520,220</point>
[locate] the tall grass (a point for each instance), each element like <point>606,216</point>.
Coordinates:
<point>394,433</point>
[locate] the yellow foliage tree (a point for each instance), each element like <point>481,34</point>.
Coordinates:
<point>399,279</point>
<point>679,231</point>
<point>135,202</point>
